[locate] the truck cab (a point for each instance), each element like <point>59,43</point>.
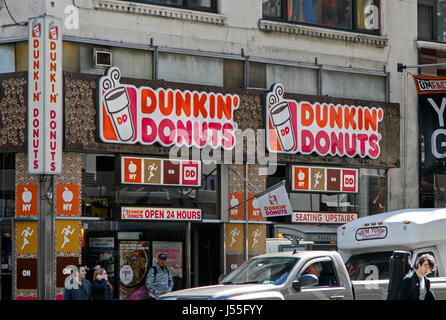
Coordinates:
<point>279,276</point>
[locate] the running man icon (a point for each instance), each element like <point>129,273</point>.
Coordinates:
<point>66,232</point>
<point>26,233</point>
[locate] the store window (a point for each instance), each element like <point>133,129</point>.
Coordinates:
<point>355,15</point>
<point>99,185</point>
<point>201,5</point>
<point>432,20</point>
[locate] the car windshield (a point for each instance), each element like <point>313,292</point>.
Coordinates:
<point>266,270</point>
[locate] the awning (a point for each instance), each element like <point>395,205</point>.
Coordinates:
<point>315,233</point>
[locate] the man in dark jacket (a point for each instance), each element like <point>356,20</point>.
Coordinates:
<point>76,286</point>
<point>415,285</point>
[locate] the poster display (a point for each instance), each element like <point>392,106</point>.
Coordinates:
<point>174,253</point>
<point>134,263</point>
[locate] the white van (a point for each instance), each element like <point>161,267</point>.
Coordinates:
<point>367,243</point>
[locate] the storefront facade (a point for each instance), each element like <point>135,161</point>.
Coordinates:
<point>118,193</point>
<point>119,204</point>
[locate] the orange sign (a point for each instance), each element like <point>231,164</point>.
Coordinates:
<point>26,204</point>
<point>26,240</point>
<point>235,199</point>
<point>67,235</point>
<point>254,212</point>
<point>68,199</point>
<point>132,170</point>
<point>301,178</point>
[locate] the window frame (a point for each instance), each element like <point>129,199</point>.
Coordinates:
<point>432,5</point>
<point>185,5</point>
<point>283,18</point>
<point>323,260</point>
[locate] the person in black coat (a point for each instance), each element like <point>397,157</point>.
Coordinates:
<point>76,287</point>
<point>101,289</point>
<point>415,285</point>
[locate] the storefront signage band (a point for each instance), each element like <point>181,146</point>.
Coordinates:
<point>45,96</point>
<point>321,179</point>
<point>324,128</point>
<point>160,214</point>
<point>323,217</point>
<point>129,115</point>
<point>156,171</point>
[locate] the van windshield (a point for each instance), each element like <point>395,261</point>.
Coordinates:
<point>267,270</point>
<point>371,266</point>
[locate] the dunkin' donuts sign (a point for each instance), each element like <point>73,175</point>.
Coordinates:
<point>325,128</point>
<point>169,117</point>
<point>45,96</point>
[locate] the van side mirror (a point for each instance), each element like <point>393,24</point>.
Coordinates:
<point>306,280</point>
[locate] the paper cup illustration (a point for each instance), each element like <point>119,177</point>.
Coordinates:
<point>117,103</point>
<point>281,119</point>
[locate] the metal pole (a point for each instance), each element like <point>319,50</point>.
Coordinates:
<point>46,240</point>
<point>188,255</point>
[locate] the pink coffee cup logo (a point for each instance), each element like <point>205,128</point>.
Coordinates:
<point>280,115</point>
<point>117,103</point>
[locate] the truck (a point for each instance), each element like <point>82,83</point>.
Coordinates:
<point>279,276</point>
<point>366,245</point>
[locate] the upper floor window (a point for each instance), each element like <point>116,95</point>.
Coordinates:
<point>353,15</point>
<point>432,20</point>
<point>201,5</point>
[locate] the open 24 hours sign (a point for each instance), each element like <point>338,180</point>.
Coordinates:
<point>160,214</point>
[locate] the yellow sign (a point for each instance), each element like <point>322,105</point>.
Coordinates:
<point>234,236</point>
<point>67,235</point>
<point>256,237</point>
<point>26,237</point>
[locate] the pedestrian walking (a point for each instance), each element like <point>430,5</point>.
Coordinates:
<point>159,280</point>
<point>415,285</point>
<point>76,286</point>
<point>101,288</point>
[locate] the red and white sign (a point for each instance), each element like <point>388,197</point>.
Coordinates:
<point>166,116</point>
<point>323,179</point>
<point>323,217</point>
<point>160,214</point>
<point>45,97</point>
<point>156,171</point>
<point>371,233</point>
<point>327,129</point>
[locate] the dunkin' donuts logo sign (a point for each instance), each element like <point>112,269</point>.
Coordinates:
<point>325,128</point>
<point>166,116</point>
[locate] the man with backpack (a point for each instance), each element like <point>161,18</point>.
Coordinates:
<point>159,280</point>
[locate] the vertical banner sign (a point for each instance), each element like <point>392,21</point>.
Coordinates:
<point>45,96</point>
<point>432,102</point>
